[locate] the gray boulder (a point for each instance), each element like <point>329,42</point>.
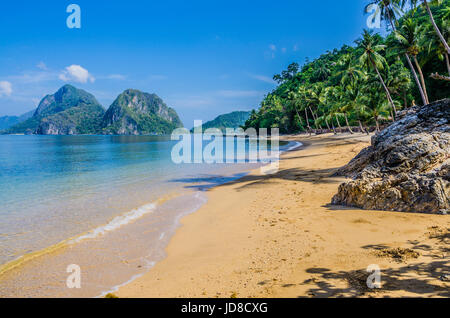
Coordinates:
<point>407,166</point>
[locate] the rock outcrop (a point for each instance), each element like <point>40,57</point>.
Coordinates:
<point>138,113</point>
<point>69,111</point>
<point>407,166</point>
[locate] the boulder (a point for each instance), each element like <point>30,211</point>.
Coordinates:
<point>407,166</point>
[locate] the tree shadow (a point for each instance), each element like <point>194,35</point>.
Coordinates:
<point>243,181</point>
<point>418,279</point>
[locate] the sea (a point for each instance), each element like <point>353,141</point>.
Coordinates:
<point>106,204</point>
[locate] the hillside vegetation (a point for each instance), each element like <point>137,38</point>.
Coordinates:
<point>231,120</point>
<point>365,84</point>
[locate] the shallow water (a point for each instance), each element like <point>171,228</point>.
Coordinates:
<point>114,200</point>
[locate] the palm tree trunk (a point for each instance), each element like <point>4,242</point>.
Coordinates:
<point>339,124</point>
<point>422,79</point>
<point>388,94</point>
<point>448,64</point>
<point>348,126</point>
<point>314,116</point>
<point>421,90</point>
<point>307,122</point>
<point>299,117</point>
<point>334,129</point>
<point>361,127</point>
<point>444,42</point>
<point>376,122</point>
<point>408,59</point>
<point>326,122</point>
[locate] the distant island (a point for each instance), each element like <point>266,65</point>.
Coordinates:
<point>73,111</point>
<point>231,120</point>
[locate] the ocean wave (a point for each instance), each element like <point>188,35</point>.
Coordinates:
<point>117,222</point>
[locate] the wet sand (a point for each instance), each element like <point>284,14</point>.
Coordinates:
<point>278,236</point>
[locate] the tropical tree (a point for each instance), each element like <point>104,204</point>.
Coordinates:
<point>426,4</point>
<point>388,9</point>
<point>408,39</point>
<point>372,59</point>
<point>432,42</point>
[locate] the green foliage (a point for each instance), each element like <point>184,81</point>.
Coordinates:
<point>231,120</point>
<point>343,86</point>
<point>135,112</point>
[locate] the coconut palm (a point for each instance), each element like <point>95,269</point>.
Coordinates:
<point>388,10</point>
<point>372,59</point>
<point>427,4</point>
<point>433,43</point>
<point>408,39</point>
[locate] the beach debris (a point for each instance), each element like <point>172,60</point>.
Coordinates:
<point>399,254</point>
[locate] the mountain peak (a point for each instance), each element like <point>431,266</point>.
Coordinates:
<point>135,112</point>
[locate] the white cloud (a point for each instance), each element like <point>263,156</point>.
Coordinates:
<point>76,73</point>
<point>5,88</point>
<point>41,65</point>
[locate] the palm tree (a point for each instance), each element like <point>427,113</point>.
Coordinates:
<point>373,105</point>
<point>372,59</point>
<point>387,10</point>
<point>427,4</point>
<point>295,101</point>
<point>408,38</point>
<point>432,42</point>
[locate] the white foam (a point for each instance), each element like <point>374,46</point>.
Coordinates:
<point>117,222</point>
<point>296,145</point>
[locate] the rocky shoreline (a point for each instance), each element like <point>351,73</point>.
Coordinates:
<point>407,166</point>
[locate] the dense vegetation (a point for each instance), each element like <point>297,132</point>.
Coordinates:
<point>366,84</point>
<point>135,112</point>
<point>230,120</point>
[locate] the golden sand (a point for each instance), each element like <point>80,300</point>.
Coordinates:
<point>277,236</point>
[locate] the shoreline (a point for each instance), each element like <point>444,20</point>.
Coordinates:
<point>277,236</point>
<point>26,262</point>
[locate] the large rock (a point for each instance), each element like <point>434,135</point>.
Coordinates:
<point>138,113</point>
<point>407,166</point>
<point>69,111</point>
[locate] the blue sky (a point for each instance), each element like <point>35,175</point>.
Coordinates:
<point>204,58</point>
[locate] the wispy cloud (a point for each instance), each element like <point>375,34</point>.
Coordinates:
<point>5,88</point>
<point>34,77</point>
<point>262,78</point>
<point>117,77</point>
<point>239,93</point>
<point>41,65</point>
<point>76,73</point>
<point>157,77</point>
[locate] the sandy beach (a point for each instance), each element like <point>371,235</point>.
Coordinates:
<point>278,236</point>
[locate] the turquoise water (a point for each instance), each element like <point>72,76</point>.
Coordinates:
<point>58,187</point>
<point>114,200</point>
